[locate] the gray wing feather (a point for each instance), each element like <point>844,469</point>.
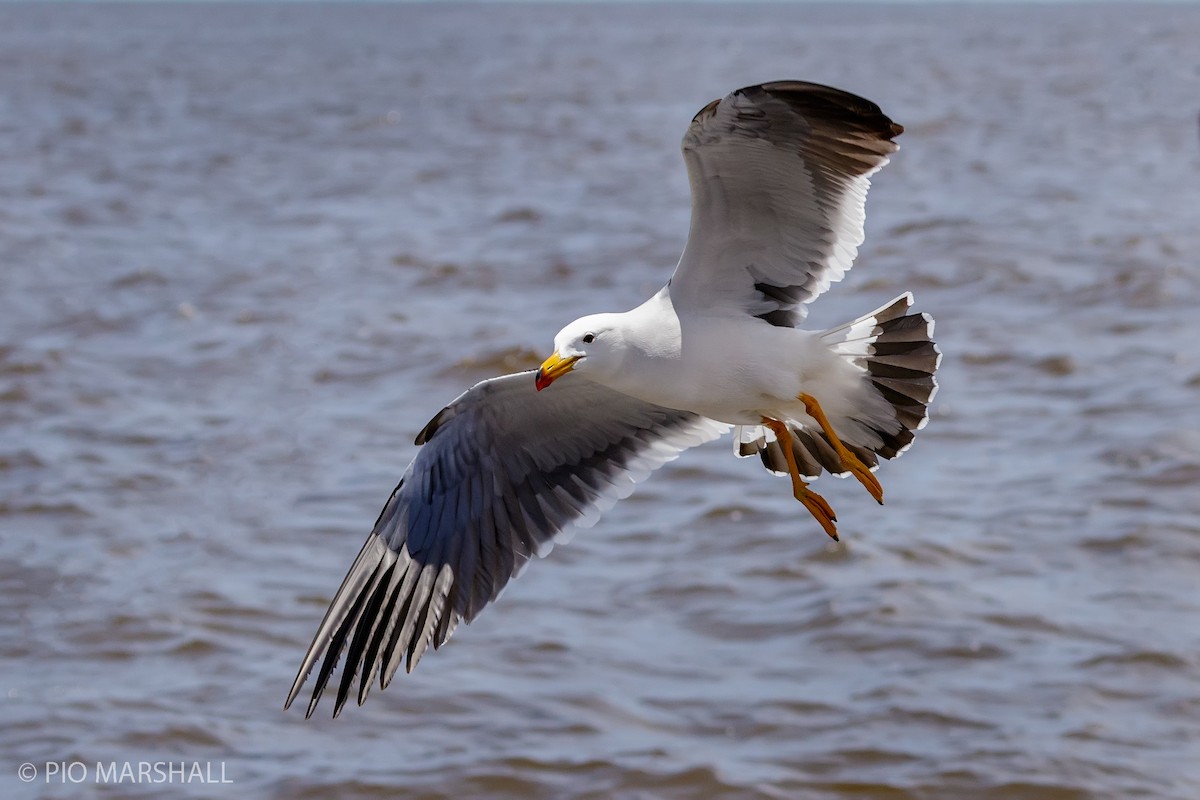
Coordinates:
<point>779,176</point>
<point>503,473</point>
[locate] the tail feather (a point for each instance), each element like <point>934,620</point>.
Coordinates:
<point>901,360</point>
<point>813,452</point>
<point>897,354</point>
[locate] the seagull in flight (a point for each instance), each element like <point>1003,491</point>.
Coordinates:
<point>779,175</point>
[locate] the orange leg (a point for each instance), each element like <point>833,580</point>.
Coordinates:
<point>849,460</point>
<point>816,505</point>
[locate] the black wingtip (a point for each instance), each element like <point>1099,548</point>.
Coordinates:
<point>312,705</point>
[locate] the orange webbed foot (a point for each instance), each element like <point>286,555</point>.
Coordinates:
<point>816,505</point>
<point>852,462</point>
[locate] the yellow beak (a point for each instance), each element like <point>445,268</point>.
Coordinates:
<point>552,369</point>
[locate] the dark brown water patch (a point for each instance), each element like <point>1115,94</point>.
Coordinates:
<point>14,363</point>
<point>33,506</point>
<point>20,460</point>
<point>1015,790</point>
<point>1138,539</point>
<point>973,651</point>
<point>1139,659</point>
<point>139,277</point>
<point>519,214</point>
<point>310,789</point>
<point>435,274</point>
<point>496,362</point>
<point>1175,475</point>
<point>174,738</point>
<point>860,790</point>
<point>928,224</point>
<point>194,648</point>
<point>1057,366</point>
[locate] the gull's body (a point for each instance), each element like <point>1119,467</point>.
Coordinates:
<point>762,371</point>
<point>779,176</point>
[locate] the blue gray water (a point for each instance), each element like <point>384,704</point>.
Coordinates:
<point>247,251</point>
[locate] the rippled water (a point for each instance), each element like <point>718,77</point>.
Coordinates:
<point>247,251</point>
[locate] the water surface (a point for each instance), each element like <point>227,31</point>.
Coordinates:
<point>247,251</point>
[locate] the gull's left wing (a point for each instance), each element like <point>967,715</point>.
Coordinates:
<point>779,176</point>
<point>503,470</point>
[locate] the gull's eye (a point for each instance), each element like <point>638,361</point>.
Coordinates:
<point>588,338</point>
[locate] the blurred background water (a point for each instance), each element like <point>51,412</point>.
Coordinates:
<point>246,251</point>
